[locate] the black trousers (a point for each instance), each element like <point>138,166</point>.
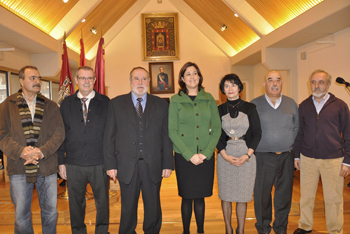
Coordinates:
<point>77,178</point>
<point>130,194</point>
<point>273,170</point>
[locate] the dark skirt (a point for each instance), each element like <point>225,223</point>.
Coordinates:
<point>194,181</point>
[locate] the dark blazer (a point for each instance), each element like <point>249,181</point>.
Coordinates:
<point>83,143</point>
<point>120,138</point>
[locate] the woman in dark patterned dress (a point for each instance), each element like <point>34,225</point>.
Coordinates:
<point>236,165</point>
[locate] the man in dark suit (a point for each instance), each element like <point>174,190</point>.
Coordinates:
<point>138,151</point>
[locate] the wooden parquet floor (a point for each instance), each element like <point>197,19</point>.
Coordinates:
<point>171,212</point>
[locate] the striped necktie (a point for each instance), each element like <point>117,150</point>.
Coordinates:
<point>139,107</point>
<point>85,110</point>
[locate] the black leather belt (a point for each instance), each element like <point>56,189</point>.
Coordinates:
<point>141,158</point>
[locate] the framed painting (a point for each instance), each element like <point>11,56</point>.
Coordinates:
<point>160,36</point>
<point>162,77</point>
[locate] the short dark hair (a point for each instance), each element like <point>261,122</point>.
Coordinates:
<point>23,70</point>
<point>182,84</point>
<point>135,68</point>
<point>85,68</point>
<point>234,79</point>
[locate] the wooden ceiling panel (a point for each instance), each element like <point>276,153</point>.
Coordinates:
<point>102,18</point>
<point>277,13</point>
<point>216,13</point>
<point>43,14</point>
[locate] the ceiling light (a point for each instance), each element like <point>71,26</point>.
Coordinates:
<point>83,21</point>
<point>236,14</point>
<point>93,30</point>
<point>65,1</point>
<point>223,27</point>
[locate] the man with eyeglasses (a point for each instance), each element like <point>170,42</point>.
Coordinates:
<point>31,131</point>
<point>80,157</point>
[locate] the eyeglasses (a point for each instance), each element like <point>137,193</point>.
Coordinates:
<point>86,78</point>
<point>31,78</point>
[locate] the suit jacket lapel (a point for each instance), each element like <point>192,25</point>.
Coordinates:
<point>149,110</point>
<point>129,108</point>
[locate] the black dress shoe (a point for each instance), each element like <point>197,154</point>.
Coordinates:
<point>301,231</point>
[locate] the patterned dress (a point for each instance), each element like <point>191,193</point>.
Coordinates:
<point>236,184</point>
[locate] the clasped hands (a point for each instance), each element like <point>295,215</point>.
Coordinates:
<point>238,162</point>
<point>31,155</point>
<point>198,159</point>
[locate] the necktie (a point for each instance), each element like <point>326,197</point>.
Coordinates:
<point>139,107</point>
<point>85,111</point>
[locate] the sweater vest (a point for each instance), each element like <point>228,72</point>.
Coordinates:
<point>141,141</point>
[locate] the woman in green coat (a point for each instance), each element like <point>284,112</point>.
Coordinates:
<point>195,129</point>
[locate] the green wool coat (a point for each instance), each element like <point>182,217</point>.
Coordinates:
<point>194,124</point>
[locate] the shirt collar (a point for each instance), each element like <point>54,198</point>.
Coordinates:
<point>134,99</point>
<point>34,99</point>
<point>278,101</point>
<point>90,96</point>
<point>324,99</point>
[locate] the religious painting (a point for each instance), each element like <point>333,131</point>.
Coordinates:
<point>160,39</point>
<point>162,77</point>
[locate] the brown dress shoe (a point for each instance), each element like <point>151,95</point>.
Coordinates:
<point>301,231</point>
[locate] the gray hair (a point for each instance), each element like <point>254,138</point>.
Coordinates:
<point>135,68</point>
<point>329,77</point>
<point>85,68</point>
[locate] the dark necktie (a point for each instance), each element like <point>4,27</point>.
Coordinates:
<point>85,111</point>
<point>139,107</point>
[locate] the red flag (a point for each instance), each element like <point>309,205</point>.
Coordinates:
<point>66,84</point>
<point>82,61</point>
<point>100,69</point>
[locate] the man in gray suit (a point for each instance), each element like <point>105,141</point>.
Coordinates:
<point>138,151</point>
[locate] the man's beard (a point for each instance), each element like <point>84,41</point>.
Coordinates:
<point>318,95</point>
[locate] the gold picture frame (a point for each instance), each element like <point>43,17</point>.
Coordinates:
<point>160,36</point>
<point>162,77</point>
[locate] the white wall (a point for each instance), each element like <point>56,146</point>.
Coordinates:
<point>335,59</point>
<point>259,74</point>
<point>15,59</point>
<point>125,52</point>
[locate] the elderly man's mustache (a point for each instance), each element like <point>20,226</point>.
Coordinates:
<point>37,85</point>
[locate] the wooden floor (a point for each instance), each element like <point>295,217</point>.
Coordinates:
<point>171,212</point>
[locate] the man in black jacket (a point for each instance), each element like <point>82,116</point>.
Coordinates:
<point>138,150</point>
<point>80,156</point>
